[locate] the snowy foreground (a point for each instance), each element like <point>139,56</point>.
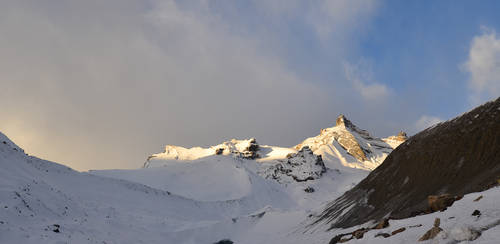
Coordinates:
<point>240,193</point>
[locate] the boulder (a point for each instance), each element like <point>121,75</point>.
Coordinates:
<point>433,232</point>
<point>385,235</point>
<point>398,231</point>
<point>440,202</point>
<point>384,223</point>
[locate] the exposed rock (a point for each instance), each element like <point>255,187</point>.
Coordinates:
<point>338,238</point>
<point>343,240</point>
<point>476,213</point>
<point>384,223</point>
<point>440,202</point>
<point>479,198</point>
<point>433,232</point>
<point>247,149</point>
<point>219,151</point>
<point>348,141</point>
<point>309,189</point>
<point>415,226</point>
<point>250,152</point>
<point>358,234</point>
<point>385,235</point>
<point>398,231</point>
<point>55,228</point>
<point>345,136</point>
<point>437,222</point>
<point>225,241</point>
<point>299,167</point>
<point>401,137</point>
<point>458,157</point>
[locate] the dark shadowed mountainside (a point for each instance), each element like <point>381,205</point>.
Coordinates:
<point>456,157</point>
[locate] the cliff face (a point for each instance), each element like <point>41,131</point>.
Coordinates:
<point>455,157</point>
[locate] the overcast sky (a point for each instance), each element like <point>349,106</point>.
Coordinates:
<point>103,84</point>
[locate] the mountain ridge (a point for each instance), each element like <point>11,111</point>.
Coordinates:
<point>352,146</point>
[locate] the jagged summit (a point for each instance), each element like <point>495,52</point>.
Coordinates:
<point>342,121</point>
<point>363,150</point>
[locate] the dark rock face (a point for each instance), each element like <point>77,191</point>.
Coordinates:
<point>455,157</point>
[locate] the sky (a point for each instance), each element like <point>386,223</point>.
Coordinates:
<point>103,84</point>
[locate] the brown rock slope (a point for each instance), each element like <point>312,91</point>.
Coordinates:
<point>455,157</point>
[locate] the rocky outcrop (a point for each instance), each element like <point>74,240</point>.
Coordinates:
<point>433,232</point>
<point>250,150</point>
<point>441,202</point>
<point>456,157</point>
<point>400,137</point>
<point>298,167</point>
<point>348,141</point>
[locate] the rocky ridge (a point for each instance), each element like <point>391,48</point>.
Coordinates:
<point>246,149</point>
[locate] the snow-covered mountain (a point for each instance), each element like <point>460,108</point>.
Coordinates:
<point>343,145</point>
<point>231,170</point>
<point>238,190</point>
<point>246,149</point>
<point>351,146</point>
<point>289,181</point>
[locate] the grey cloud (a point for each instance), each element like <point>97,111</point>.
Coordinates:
<point>97,87</point>
<point>102,84</point>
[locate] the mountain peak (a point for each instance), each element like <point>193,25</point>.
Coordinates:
<point>343,121</point>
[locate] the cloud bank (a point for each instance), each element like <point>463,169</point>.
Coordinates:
<point>102,84</point>
<point>484,67</point>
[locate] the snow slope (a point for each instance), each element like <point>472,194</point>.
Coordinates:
<point>44,202</point>
<point>200,197</point>
<point>457,222</point>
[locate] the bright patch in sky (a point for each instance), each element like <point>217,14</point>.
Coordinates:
<point>103,84</point>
